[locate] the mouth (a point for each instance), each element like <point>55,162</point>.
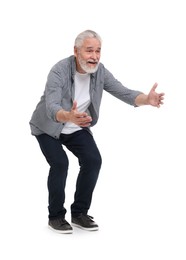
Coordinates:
<point>92,62</point>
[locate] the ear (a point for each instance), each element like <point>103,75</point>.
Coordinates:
<point>75,51</point>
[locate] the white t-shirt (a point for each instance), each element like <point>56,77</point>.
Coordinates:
<point>82,96</point>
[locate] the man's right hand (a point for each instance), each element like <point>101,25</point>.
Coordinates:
<point>81,119</point>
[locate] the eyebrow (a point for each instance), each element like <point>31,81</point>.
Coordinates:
<point>89,48</point>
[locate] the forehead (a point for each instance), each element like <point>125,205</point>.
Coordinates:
<point>91,43</point>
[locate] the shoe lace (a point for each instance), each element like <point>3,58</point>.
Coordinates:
<point>88,217</point>
<point>62,221</point>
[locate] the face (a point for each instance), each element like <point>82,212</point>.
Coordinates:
<point>88,56</point>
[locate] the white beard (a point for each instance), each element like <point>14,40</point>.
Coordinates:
<point>85,67</point>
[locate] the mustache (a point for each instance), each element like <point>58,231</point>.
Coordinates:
<point>92,61</point>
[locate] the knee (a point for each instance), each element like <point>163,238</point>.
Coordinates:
<point>98,161</point>
<point>60,163</point>
<point>94,161</point>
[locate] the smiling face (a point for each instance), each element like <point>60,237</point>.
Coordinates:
<point>88,55</point>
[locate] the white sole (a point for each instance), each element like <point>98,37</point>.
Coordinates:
<point>61,231</point>
<point>84,228</point>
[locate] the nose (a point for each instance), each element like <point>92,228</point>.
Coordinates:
<point>94,55</point>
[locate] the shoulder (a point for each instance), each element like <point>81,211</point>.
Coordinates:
<point>64,63</point>
<point>103,71</point>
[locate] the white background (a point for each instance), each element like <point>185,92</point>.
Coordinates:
<point>139,201</point>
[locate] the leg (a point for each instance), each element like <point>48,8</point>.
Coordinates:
<point>58,161</point>
<point>83,146</point>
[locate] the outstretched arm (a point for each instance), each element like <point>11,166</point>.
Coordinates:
<point>153,98</point>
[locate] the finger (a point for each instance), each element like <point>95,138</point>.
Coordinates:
<point>84,124</point>
<point>81,115</point>
<point>85,119</point>
<point>74,106</point>
<point>154,86</point>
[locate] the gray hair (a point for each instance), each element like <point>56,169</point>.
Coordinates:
<point>86,34</point>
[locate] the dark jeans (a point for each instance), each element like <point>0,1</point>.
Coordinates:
<point>83,146</point>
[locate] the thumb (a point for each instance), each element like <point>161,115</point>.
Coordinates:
<point>74,106</point>
<point>154,86</point>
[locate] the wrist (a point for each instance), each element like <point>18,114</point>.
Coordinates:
<point>142,99</point>
<point>63,116</point>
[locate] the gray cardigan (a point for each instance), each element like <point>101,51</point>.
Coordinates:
<point>59,94</point>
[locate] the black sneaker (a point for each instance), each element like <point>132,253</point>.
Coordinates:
<point>85,222</point>
<point>60,225</point>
